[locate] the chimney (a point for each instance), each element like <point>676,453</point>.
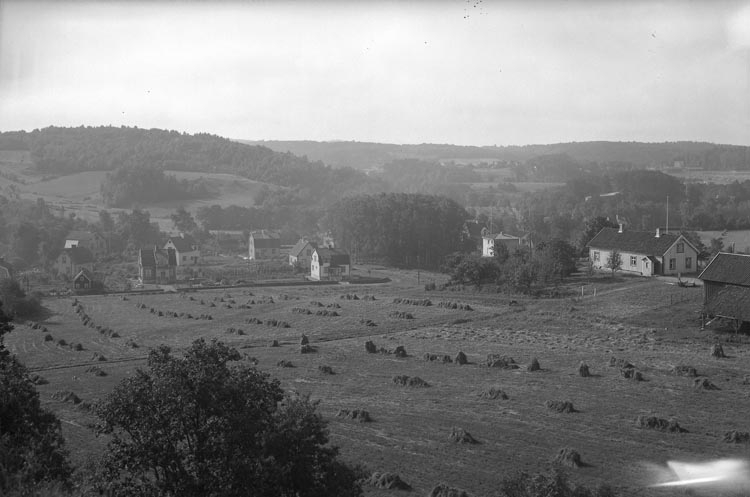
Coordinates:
<point>620,230</point>
<point>658,232</point>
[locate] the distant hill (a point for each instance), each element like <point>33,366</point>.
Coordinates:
<point>64,151</point>
<point>365,155</point>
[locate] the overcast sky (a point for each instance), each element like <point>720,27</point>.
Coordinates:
<point>470,73</point>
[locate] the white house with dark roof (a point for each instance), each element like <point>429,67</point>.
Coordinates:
<point>644,253</point>
<point>187,251</point>
<point>330,264</point>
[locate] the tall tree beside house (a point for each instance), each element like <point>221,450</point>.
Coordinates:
<point>592,227</point>
<point>183,221</point>
<point>614,261</point>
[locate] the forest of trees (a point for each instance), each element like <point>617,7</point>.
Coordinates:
<point>126,186</point>
<point>414,230</point>
<point>106,148</point>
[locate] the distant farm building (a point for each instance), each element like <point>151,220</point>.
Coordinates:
<point>264,244</point>
<point>187,251</point>
<point>85,280</point>
<point>726,286</point>
<point>72,260</point>
<point>157,265</point>
<point>330,264</point>
<point>644,252</point>
<point>301,254</point>
<point>490,240</point>
<point>90,240</point>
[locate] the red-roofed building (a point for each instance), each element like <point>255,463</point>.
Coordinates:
<point>301,254</point>
<point>157,265</point>
<point>726,286</point>
<point>93,241</point>
<point>490,240</point>
<point>644,252</point>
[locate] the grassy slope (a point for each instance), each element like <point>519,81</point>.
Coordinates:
<point>631,320</point>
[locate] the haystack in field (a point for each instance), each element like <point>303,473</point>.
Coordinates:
<point>568,457</point>
<point>461,436</point>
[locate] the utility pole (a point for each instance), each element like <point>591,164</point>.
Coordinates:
<point>667,229</point>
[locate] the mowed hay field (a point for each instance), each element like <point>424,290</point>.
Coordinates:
<point>410,427</point>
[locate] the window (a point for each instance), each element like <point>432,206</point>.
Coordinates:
<point>672,264</point>
<point>680,248</point>
<point>596,256</point>
<point>688,262</point>
<point>633,260</point>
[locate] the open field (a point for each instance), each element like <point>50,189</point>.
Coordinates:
<point>633,319</point>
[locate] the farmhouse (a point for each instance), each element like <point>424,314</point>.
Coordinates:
<point>643,252</point>
<point>6,270</point>
<point>330,264</point>
<point>187,251</point>
<point>72,260</point>
<point>84,280</point>
<point>301,254</point>
<point>93,241</point>
<point>264,244</point>
<point>157,265</point>
<point>726,286</point>
<point>489,241</point>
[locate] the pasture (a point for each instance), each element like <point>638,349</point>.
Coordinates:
<point>632,320</point>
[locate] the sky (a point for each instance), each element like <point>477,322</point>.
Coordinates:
<point>452,71</point>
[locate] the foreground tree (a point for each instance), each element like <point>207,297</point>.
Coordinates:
<point>197,426</point>
<point>32,449</point>
<point>614,261</point>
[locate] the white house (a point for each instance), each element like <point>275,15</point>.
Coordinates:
<point>643,252</point>
<point>186,249</point>
<point>490,240</point>
<point>330,264</point>
<point>264,244</point>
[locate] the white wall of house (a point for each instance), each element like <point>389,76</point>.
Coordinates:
<point>190,258</point>
<point>488,245</point>
<point>681,258</point>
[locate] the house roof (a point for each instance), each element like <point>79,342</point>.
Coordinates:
<point>156,257</point>
<point>501,236</point>
<point>81,235</point>
<point>732,269</point>
<point>300,246</point>
<point>474,229</point>
<point>79,255</point>
<point>731,302</point>
<point>333,257</point>
<point>265,239</point>
<point>639,242</point>
<point>85,273</point>
<point>183,243</point>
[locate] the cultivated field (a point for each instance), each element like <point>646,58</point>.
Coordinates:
<point>651,324</point>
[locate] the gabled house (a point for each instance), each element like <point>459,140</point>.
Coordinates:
<point>330,264</point>
<point>157,265</point>
<point>264,244</point>
<point>489,241</point>
<point>301,253</point>
<point>90,240</point>
<point>6,270</point>
<point>187,251</point>
<point>72,260</point>
<point>644,252</point>
<point>726,286</point>
<point>84,280</point>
